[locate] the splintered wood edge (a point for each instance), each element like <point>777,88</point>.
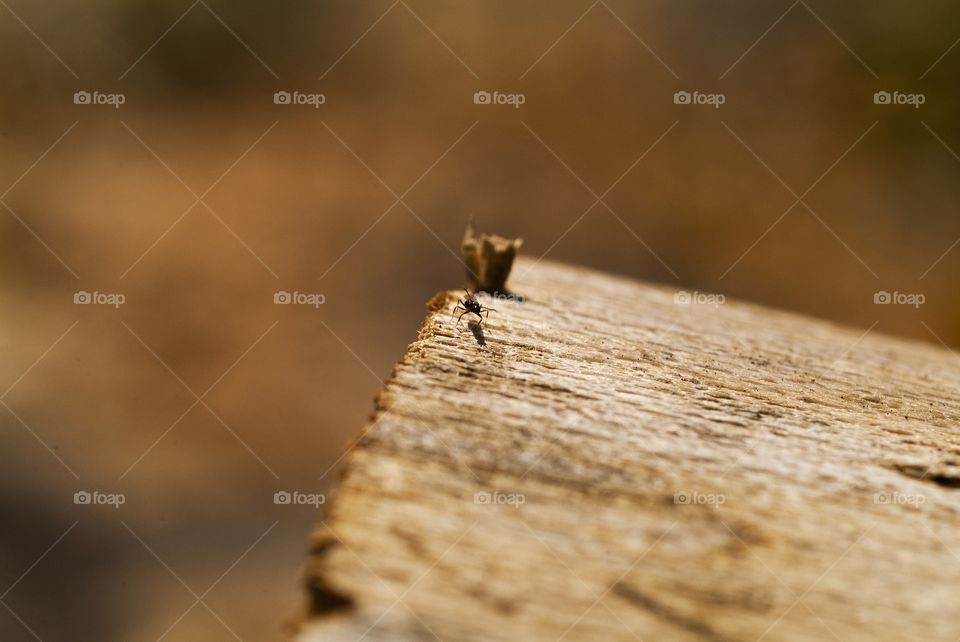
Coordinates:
<point>489,259</point>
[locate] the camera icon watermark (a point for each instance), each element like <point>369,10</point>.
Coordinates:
<point>696,498</point>
<point>682,297</point>
<point>297,498</point>
<point>499,498</point>
<point>897,98</point>
<point>899,298</point>
<point>82,297</point>
<point>699,98</point>
<point>96,498</point>
<point>282,297</point>
<point>299,98</point>
<point>99,98</point>
<point>498,98</point>
<point>899,499</point>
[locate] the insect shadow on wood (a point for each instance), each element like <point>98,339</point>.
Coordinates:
<point>477,331</point>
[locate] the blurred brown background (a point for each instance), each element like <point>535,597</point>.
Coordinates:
<point>103,399</point>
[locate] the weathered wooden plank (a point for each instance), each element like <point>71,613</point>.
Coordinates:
<point>613,464</point>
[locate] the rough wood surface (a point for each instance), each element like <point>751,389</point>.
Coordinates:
<point>614,465</point>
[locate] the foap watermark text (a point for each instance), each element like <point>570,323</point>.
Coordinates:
<point>315,299</point>
<point>499,498</point>
<point>498,98</point>
<point>82,297</point>
<point>894,498</point>
<point>899,298</point>
<point>96,498</point>
<point>699,98</point>
<point>696,498</point>
<point>898,98</point>
<point>99,98</point>
<point>297,498</point>
<point>699,298</point>
<point>299,98</point>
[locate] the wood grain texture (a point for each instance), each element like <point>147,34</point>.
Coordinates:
<point>613,465</point>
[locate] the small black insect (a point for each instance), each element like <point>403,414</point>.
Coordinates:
<point>470,305</point>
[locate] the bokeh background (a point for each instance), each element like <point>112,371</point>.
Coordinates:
<point>199,198</point>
